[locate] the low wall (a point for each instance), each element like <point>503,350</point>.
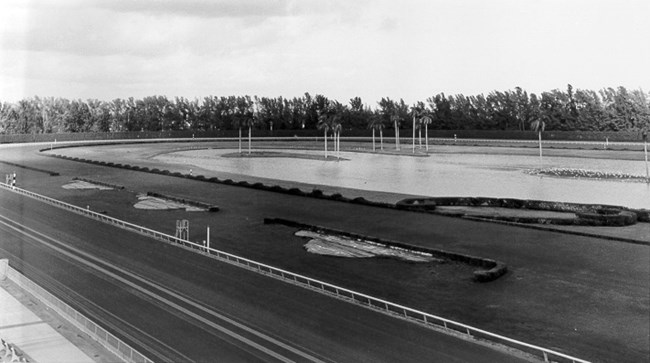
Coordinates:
<point>586,214</point>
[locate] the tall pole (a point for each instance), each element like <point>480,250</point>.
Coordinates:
<point>325,142</point>
<point>645,151</point>
<point>426,136</point>
<point>540,145</point>
<point>413,134</point>
<point>338,144</point>
<point>240,140</point>
<point>249,138</point>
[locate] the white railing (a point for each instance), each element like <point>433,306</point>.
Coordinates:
<point>96,332</point>
<point>387,307</point>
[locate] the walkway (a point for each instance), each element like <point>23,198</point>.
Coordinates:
<point>28,325</point>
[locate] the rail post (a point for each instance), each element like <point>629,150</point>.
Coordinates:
<point>207,240</point>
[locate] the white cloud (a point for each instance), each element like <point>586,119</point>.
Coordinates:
<point>411,49</point>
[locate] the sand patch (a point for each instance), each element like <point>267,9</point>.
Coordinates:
<point>341,246</point>
<point>154,203</point>
<point>80,184</point>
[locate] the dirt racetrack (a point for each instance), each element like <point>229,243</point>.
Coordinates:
<point>584,296</point>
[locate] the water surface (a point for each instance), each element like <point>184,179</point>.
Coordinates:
<point>470,175</point>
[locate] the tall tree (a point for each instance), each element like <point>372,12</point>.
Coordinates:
<point>325,124</point>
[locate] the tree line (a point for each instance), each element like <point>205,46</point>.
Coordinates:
<point>609,109</point>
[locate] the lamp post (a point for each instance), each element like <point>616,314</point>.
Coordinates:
<point>644,134</point>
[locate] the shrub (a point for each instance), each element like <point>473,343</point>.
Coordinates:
<point>317,193</point>
<point>499,269</point>
<point>294,191</point>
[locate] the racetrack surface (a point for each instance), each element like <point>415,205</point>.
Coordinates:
<point>174,305</point>
<point>584,296</point>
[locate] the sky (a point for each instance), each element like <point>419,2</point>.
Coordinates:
<point>409,49</point>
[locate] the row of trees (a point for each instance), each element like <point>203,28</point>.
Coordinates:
<point>571,109</point>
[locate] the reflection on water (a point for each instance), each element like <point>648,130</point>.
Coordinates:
<point>440,175</point>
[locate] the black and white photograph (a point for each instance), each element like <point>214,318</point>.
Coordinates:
<point>324,181</point>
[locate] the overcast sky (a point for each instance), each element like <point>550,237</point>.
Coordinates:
<point>410,49</point>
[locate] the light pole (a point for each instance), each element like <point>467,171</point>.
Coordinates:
<point>645,152</point>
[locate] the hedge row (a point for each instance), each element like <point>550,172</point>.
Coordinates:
<point>189,134</point>
<point>208,207</point>
<point>586,214</point>
<point>51,173</point>
<point>110,185</point>
<point>491,269</point>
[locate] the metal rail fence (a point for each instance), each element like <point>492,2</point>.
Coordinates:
<point>96,332</point>
<point>387,307</point>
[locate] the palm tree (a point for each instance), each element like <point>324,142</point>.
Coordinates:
<point>324,123</point>
<point>250,120</point>
<point>376,123</point>
<point>242,115</point>
<point>539,125</point>
<point>336,128</point>
<point>380,125</point>
<point>414,126</point>
<point>238,120</point>
<point>425,120</point>
<point>396,122</point>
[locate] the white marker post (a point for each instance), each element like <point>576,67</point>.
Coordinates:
<point>207,241</point>
<point>645,152</point>
<point>413,134</point>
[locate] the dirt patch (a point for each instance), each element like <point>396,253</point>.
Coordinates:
<point>155,203</point>
<point>340,246</point>
<point>83,185</point>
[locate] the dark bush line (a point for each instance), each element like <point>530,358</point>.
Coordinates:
<point>51,173</point>
<point>491,269</point>
<point>586,214</point>
<point>110,185</point>
<point>138,136</point>
<point>208,207</point>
